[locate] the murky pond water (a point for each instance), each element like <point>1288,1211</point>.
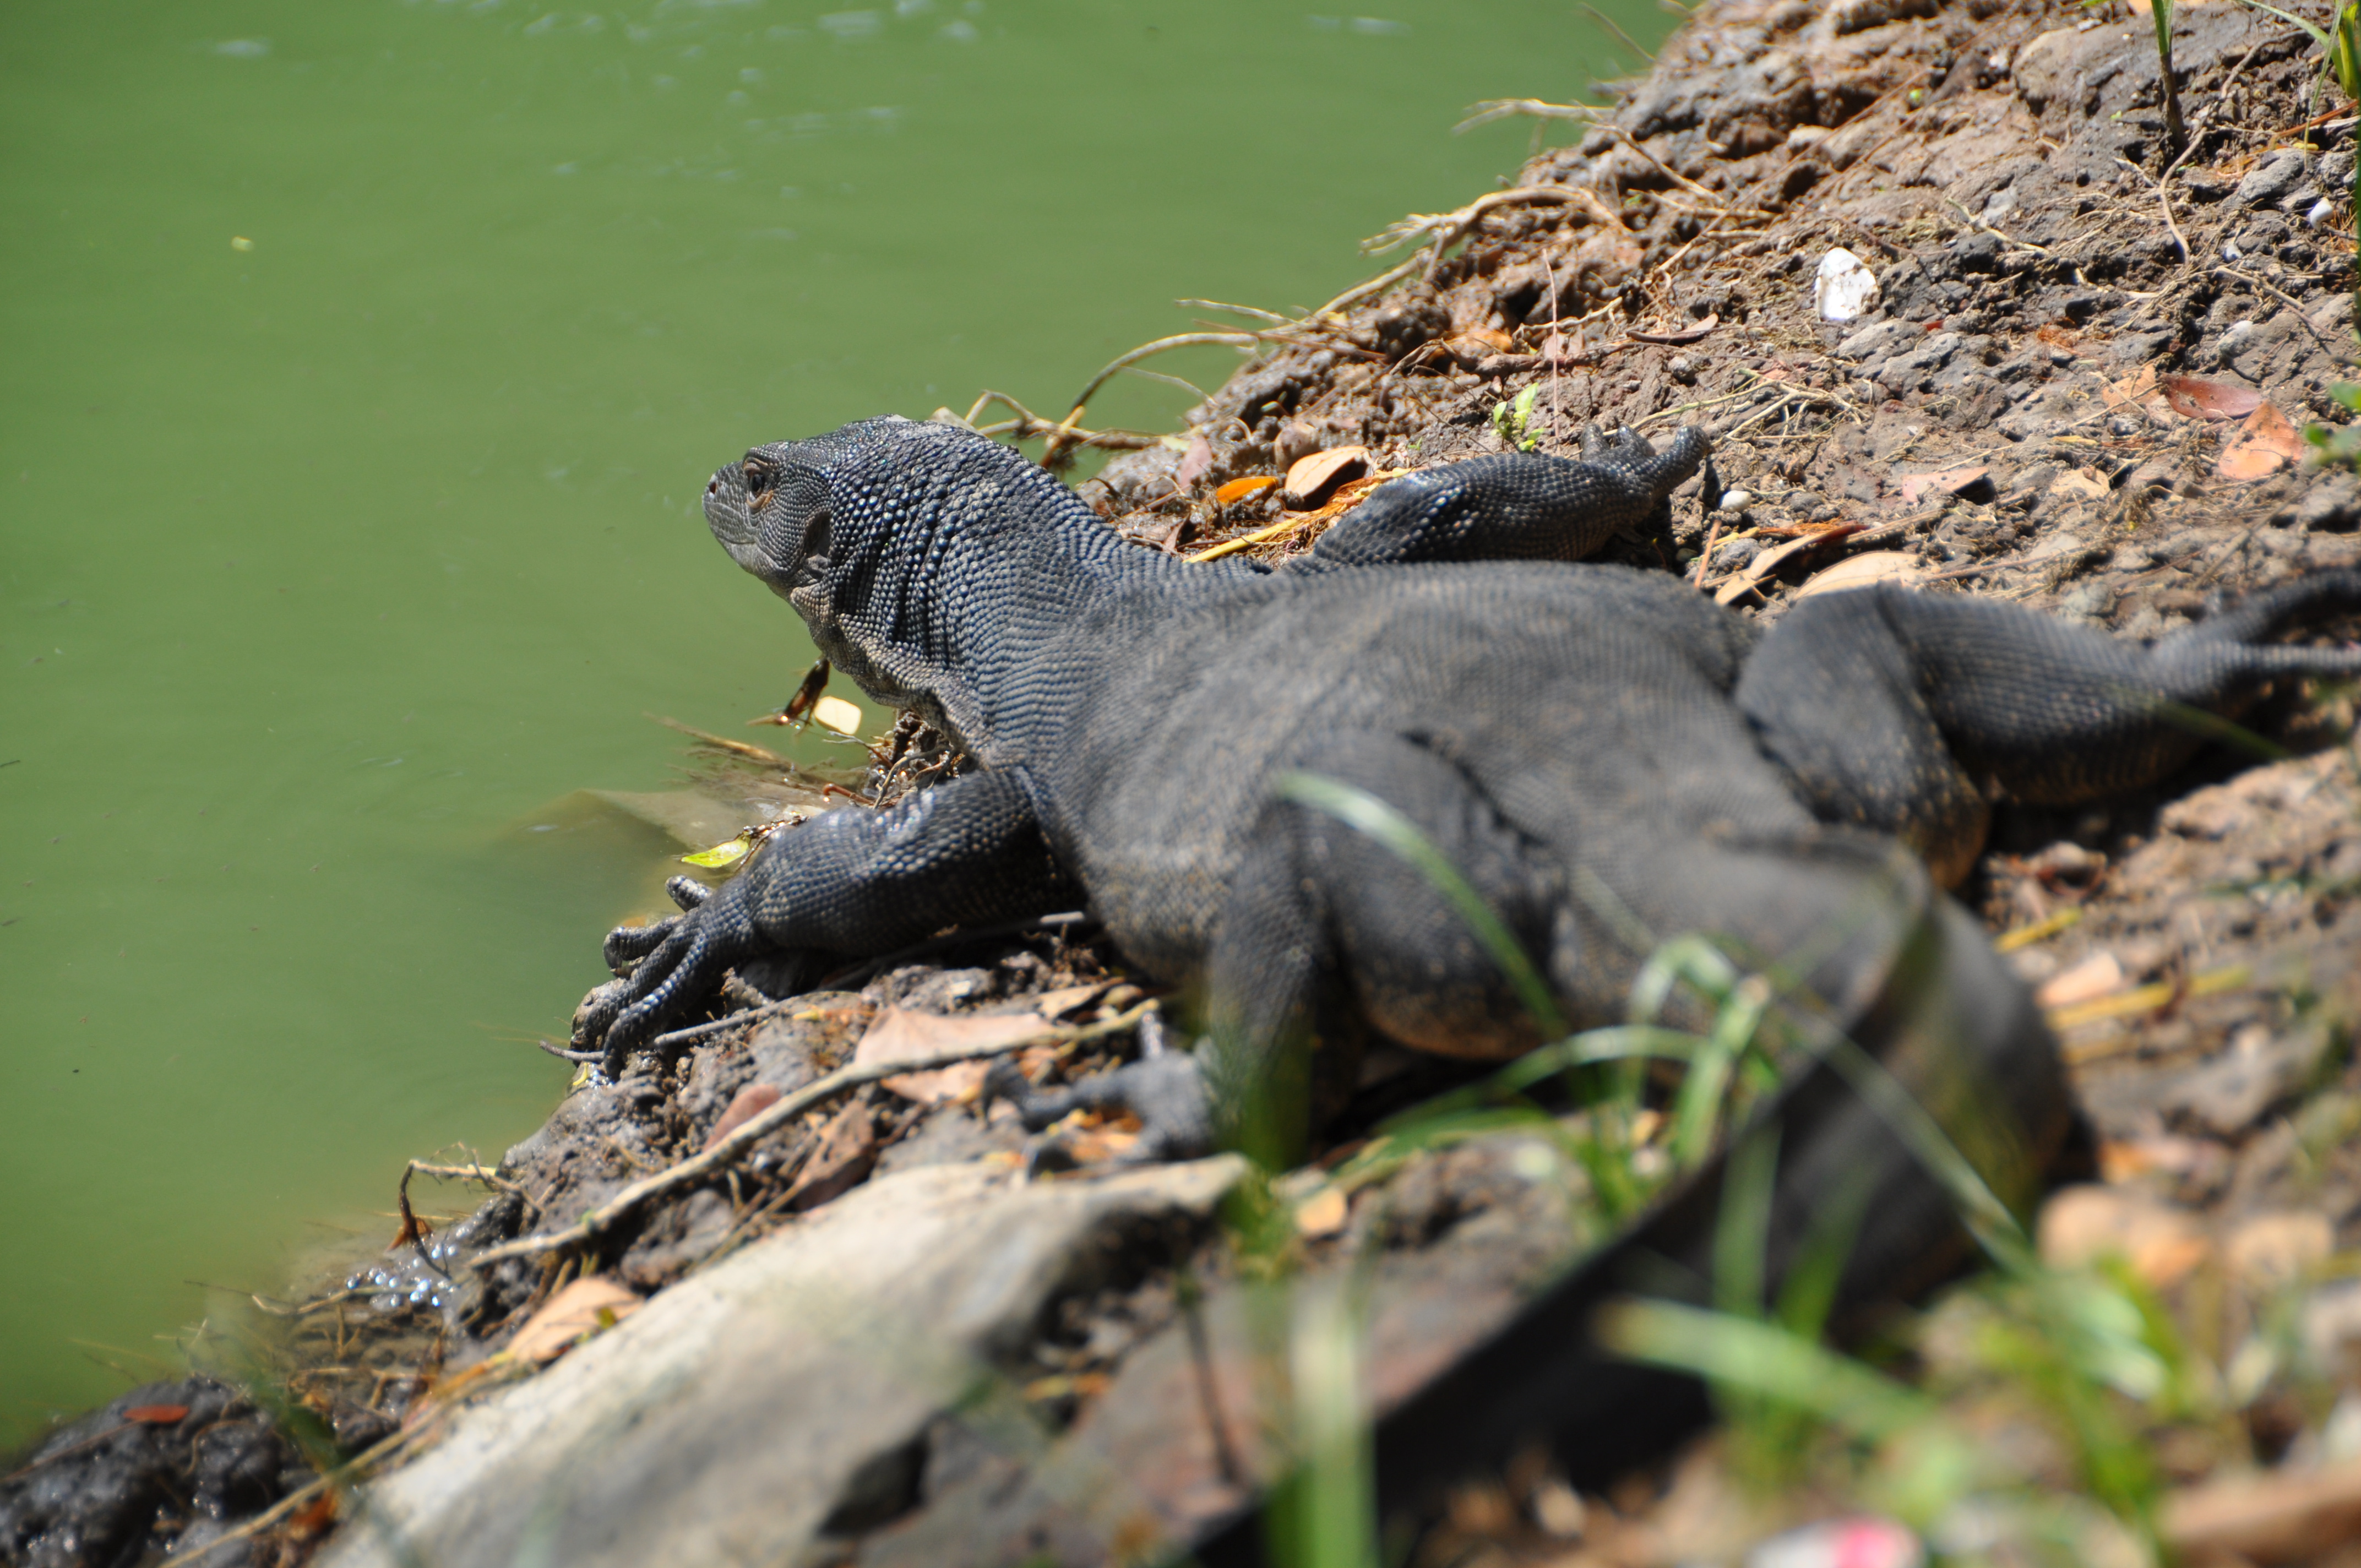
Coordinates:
<point>363,365</point>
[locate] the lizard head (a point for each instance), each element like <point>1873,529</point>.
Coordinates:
<point>826,522</point>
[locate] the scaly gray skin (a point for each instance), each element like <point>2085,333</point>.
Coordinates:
<point>1608,757</point>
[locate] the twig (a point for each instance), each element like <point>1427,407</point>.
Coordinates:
<point>1447,228</point>
<point>1125,361</point>
<point>1705,558</point>
<point>760,1126</point>
<point>745,749</point>
<point>2163,201</point>
<point>2290,299</point>
<point>1492,109</point>
<point>1976,223</point>
<point>1609,26</point>
<point>1370,288</point>
<point>1272,316</point>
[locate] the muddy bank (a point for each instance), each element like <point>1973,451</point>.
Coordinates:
<point>2060,390</point>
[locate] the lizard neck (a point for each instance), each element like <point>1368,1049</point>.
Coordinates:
<point>958,562</point>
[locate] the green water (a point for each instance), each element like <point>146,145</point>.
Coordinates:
<point>363,364</point>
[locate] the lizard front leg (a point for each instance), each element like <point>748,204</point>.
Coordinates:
<point>851,881</point>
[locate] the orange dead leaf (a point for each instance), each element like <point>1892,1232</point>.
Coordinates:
<point>899,1035</point>
<point>2266,444</point>
<point>155,1415</point>
<point>1237,491</point>
<point>315,1516</point>
<point>1949,482</point>
<point>574,1314</point>
<point>413,1229</point>
<point>2209,399</point>
<point>1311,479</point>
<point>750,1101</point>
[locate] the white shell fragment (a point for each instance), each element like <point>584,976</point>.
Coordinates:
<point>835,713</point>
<point>1845,289</point>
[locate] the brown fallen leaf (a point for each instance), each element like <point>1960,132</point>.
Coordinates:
<point>1693,333</point>
<point>2098,975</point>
<point>2284,1516</point>
<point>2209,399</point>
<point>413,1229</point>
<point>1947,482</point>
<point>2082,484</point>
<point>900,1035</point>
<point>2081,1225</point>
<point>1196,460</point>
<point>1769,562</point>
<point>848,1148</point>
<point>574,1314</point>
<point>1311,479</point>
<point>2141,392</point>
<point>1237,491</point>
<point>2277,1249</point>
<point>2266,442</point>
<point>155,1415</point>
<point>750,1101</point>
<point>1863,571</point>
<point>1322,1214</point>
<point>1053,1005</point>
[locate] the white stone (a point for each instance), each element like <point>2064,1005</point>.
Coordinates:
<point>1844,289</point>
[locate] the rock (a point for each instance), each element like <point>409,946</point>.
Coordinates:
<point>2046,69</point>
<point>2229,1095</point>
<point>2276,177</point>
<point>1874,344</point>
<point>1843,289</point>
<point>794,1384</point>
<point>1311,480</point>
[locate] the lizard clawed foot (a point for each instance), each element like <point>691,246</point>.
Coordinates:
<point>661,965</point>
<point>1627,451</point>
<point>1164,1090</point>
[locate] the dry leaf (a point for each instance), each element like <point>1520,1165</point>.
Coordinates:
<point>2140,392</point>
<point>900,1035</point>
<point>1693,333</point>
<point>2266,444</point>
<point>835,713</point>
<point>1322,1213</point>
<point>1195,460</point>
<point>1947,482</point>
<point>1311,479</point>
<point>1237,491</point>
<point>2083,1225</point>
<point>1864,570</point>
<point>2057,336</point>
<point>2096,976</point>
<point>1763,566</point>
<point>1055,1004</point>
<point>751,1102</point>
<point>2209,399</point>
<point>2280,1516</point>
<point>2278,1249</point>
<point>848,1148</point>
<point>156,1415</point>
<point>2086,484</point>
<point>582,1309</point>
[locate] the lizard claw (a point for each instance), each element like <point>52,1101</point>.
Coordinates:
<point>1627,451</point>
<point>662,965</point>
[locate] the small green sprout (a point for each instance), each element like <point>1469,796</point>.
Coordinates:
<point>1514,419</point>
